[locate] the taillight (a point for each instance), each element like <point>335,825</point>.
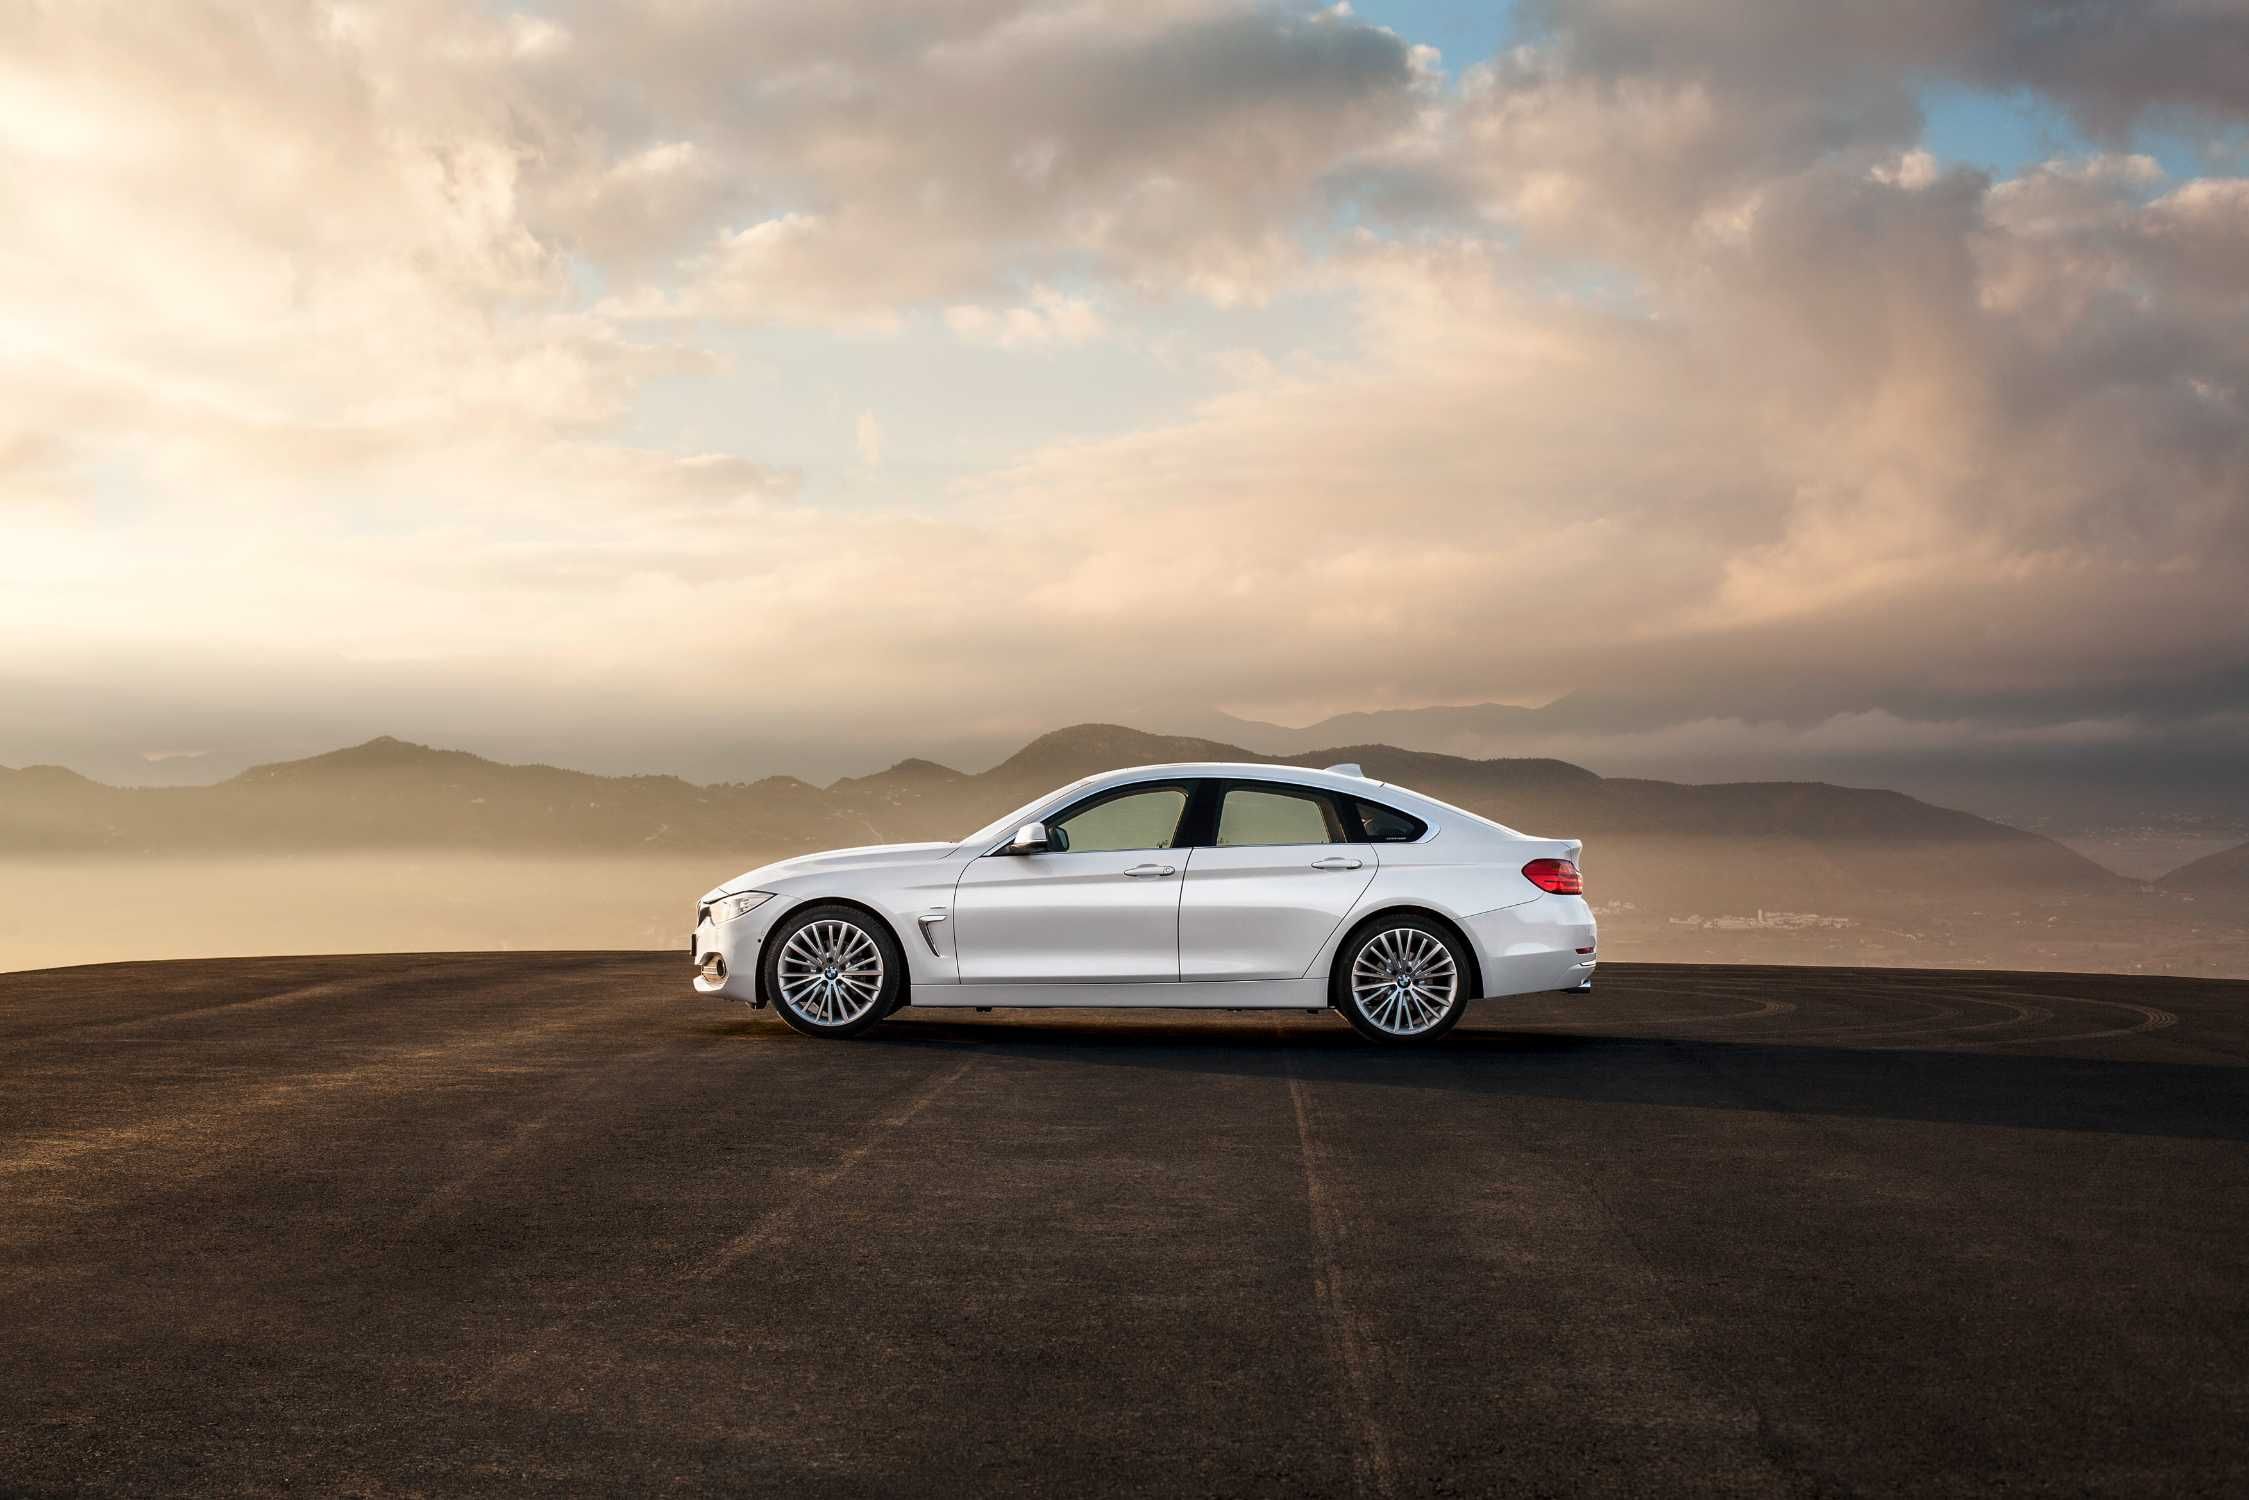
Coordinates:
<point>1556,876</point>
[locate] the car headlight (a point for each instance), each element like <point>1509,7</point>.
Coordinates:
<point>741,904</point>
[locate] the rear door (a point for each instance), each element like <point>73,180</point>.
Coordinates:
<point>1277,874</point>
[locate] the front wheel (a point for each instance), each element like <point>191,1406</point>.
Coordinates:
<point>833,971</point>
<point>1401,979</point>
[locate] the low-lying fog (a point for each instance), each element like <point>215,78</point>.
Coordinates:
<point>1696,907</point>
<point>95,909</point>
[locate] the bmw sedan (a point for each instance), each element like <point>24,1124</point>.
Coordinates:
<point>1204,885</point>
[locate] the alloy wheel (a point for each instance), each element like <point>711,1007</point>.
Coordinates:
<point>1404,981</point>
<point>830,972</point>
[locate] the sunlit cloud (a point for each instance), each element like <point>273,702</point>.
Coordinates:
<point>570,357</point>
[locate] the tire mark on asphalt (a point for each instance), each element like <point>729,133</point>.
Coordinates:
<point>451,1190</point>
<point>526,1351</point>
<point>317,990</point>
<point>1759,1011</point>
<point>2152,1018</point>
<point>774,1220</point>
<point>49,1181</point>
<point>223,1106</point>
<point>1920,1033</point>
<point>456,1187</point>
<point>1344,1330</point>
<point>1926,1026</point>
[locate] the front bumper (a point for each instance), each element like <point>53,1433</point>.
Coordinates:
<point>725,954</point>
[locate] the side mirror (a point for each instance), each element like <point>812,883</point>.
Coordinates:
<point>1037,838</point>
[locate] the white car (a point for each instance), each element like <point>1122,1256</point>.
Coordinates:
<point>1206,885</point>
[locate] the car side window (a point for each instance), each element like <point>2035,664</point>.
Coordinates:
<point>1253,815</point>
<point>1141,818</point>
<point>1386,825</point>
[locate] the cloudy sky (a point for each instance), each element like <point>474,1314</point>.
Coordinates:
<point>725,388</point>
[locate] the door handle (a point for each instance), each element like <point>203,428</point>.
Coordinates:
<point>1151,872</point>
<point>1335,862</point>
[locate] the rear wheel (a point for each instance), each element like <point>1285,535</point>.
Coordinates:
<point>832,970</point>
<point>1401,979</point>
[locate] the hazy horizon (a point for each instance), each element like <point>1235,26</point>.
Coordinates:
<point>63,910</point>
<point>2125,832</point>
<point>392,846</point>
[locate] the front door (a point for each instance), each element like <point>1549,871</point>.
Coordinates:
<point>1266,895</point>
<point>1105,909</point>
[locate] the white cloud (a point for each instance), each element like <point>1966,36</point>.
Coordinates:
<point>1911,170</point>
<point>867,432</point>
<point>1047,317</point>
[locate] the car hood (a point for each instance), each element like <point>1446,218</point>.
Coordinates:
<point>767,877</point>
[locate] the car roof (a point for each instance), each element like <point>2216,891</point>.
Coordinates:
<point>1247,770</point>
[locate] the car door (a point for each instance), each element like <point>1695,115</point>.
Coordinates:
<point>1266,891</point>
<point>1104,909</point>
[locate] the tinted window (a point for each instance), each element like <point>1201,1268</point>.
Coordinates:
<point>1143,818</point>
<point>1388,826</point>
<point>1271,815</point>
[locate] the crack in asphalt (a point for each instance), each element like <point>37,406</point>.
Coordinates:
<point>1347,1334</point>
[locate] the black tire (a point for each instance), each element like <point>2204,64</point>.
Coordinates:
<point>831,923</point>
<point>1401,944</point>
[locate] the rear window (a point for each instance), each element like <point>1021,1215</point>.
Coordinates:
<point>1257,815</point>
<point>1386,825</point>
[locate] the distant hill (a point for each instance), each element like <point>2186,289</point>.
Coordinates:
<point>391,794</point>
<point>1815,842</point>
<point>1467,729</point>
<point>2221,875</point>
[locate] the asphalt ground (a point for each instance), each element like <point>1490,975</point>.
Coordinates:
<point>544,1224</point>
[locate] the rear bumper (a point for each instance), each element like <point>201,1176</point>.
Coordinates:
<point>1537,974</point>
<point>1536,947</point>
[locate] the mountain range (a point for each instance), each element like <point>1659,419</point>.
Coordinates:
<point>1810,869</point>
<point>390,793</point>
<point>1469,730</point>
<point>2149,795</point>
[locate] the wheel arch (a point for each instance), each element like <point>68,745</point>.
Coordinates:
<point>905,958</point>
<point>1395,909</point>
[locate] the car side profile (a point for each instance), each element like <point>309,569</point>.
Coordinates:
<point>1206,885</point>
